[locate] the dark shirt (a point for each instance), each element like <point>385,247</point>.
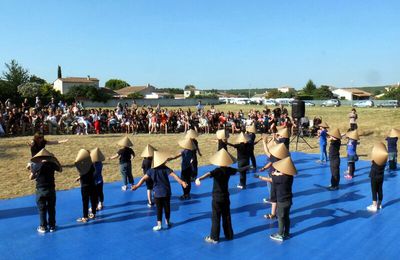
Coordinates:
<point>283,185</point>
<point>87,179</point>
<point>146,164</point>
<point>37,147</point>
<point>196,145</point>
<point>392,144</point>
<point>45,176</point>
<point>98,177</point>
<point>222,145</point>
<point>334,148</point>
<point>251,142</point>
<point>125,155</point>
<point>272,159</point>
<point>285,141</point>
<point>242,151</point>
<point>377,171</point>
<point>221,177</point>
<point>187,158</point>
<point>162,186</point>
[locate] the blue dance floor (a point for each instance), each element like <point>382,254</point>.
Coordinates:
<point>325,224</point>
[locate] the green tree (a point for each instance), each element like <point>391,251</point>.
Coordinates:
<point>393,93</point>
<point>36,79</point>
<point>90,92</point>
<point>135,95</point>
<point>12,77</point>
<point>29,90</point>
<point>309,88</point>
<point>59,73</point>
<point>274,93</point>
<point>116,84</point>
<point>190,87</point>
<point>323,93</point>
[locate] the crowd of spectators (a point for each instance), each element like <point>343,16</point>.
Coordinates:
<point>62,118</point>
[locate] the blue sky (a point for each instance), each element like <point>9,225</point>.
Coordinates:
<point>210,44</point>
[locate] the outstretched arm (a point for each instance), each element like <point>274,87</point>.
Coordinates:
<point>57,142</point>
<point>184,184</point>
<point>256,142</point>
<point>175,157</point>
<point>113,157</point>
<point>267,179</point>
<point>198,180</point>
<point>143,179</point>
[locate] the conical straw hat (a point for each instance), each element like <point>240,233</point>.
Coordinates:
<point>285,166</point>
<point>379,153</point>
<point>353,135</point>
<point>394,133</point>
<point>268,144</point>
<point>324,125</point>
<point>284,132</point>
<point>222,158</point>
<point>125,142</point>
<point>186,143</point>
<point>279,151</point>
<point>222,134</point>
<point>242,138</point>
<point>335,133</point>
<point>83,161</point>
<point>191,134</point>
<point>97,155</point>
<point>251,129</point>
<point>46,155</point>
<point>159,158</point>
<point>148,151</point>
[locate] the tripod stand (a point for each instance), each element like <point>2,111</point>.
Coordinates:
<point>299,134</point>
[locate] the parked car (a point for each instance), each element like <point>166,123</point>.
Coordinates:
<point>331,103</point>
<point>270,102</point>
<point>309,104</point>
<point>284,101</point>
<point>364,103</point>
<point>390,103</point>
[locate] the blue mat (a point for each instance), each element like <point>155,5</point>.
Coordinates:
<point>325,224</point>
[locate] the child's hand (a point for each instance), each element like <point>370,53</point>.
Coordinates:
<point>134,187</point>
<point>77,179</point>
<point>184,184</point>
<point>256,175</point>
<point>198,182</point>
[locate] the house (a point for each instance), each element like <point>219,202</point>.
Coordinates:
<point>191,91</point>
<point>143,90</point>
<point>64,84</point>
<point>351,94</point>
<point>285,89</point>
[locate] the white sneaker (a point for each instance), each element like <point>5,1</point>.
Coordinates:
<point>380,206</point>
<point>157,228</point>
<point>266,200</point>
<point>239,186</point>
<point>210,240</point>
<point>372,208</point>
<point>124,188</point>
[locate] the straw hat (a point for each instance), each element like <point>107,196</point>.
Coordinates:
<point>285,166</point>
<point>97,155</point>
<point>268,144</point>
<point>222,158</point>
<point>353,135</point>
<point>83,161</point>
<point>379,154</point>
<point>125,142</point>
<point>222,134</point>
<point>335,133</point>
<point>279,151</point>
<point>191,134</point>
<point>242,138</point>
<point>394,133</point>
<point>324,125</point>
<point>284,132</point>
<point>251,129</point>
<point>46,155</point>
<point>186,143</point>
<point>159,158</point>
<point>148,151</point>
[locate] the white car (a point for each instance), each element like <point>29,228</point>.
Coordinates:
<point>364,103</point>
<point>270,102</point>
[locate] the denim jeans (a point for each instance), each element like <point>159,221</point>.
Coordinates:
<point>126,173</point>
<point>392,161</point>
<point>323,155</point>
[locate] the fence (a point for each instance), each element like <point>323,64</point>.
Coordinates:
<point>152,102</point>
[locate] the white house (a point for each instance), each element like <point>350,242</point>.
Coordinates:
<point>64,84</point>
<point>285,89</point>
<point>351,94</point>
<point>187,93</point>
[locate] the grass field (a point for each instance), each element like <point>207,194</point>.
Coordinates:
<point>375,123</point>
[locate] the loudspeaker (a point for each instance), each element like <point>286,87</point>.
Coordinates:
<point>298,109</point>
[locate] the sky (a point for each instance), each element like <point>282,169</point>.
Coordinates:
<point>221,44</point>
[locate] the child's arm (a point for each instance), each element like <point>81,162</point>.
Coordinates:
<point>32,176</point>
<point>78,179</point>
<point>256,142</point>
<point>175,157</point>
<point>143,179</point>
<point>267,179</point>
<point>198,151</point>
<point>198,180</point>
<point>266,166</point>
<point>184,184</point>
<point>57,142</point>
<point>113,157</point>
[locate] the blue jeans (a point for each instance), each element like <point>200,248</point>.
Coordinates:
<point>323,155</point>
<point>126,173</point>
<point>392,161</point>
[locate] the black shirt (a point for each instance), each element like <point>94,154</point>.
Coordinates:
<point>377,171</point>
<point>334,148</point>
<point>221,177</point>
<point>251,142</point>
<point>45,176</point>
<point>88,178</point>
<point>37,147</point>
<point>222,145</point>
<point>283,186</point>
<point>125,155</point>
<point>196,145</point>
<point>242,151</point>
<point>146,164</point>
<point>285,141</point>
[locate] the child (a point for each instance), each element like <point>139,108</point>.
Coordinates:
<point>251,131</point>
<point>282,178</point>
<point>334,137</point>
<point>187,155</point>
<point>47,164</point>
<point>391,139</point>
<point>276,153</point>
<point>162,188</point>
<point>379,157</point>
<point>283,137</point>
<point>220,195</point>
<point>147,155</point>
<point>125,155</point>
<point>84,165</point>
<point>323,158</point>
<point>192,135</point>
<point>222,136</point>
<point>352,156</point>
<point>97,160</point>
<point>242,157</point>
